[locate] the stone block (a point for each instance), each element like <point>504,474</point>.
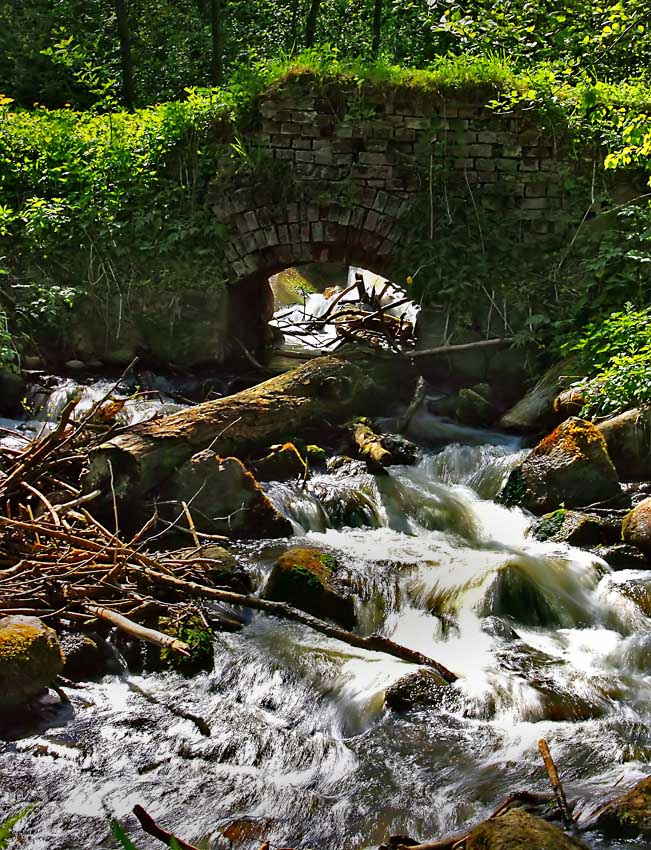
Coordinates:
<point>485,164</point>
<point>529,165</point>
<point>507,165</point>
<point>344,131</point>
<point>323,157</point>
<point>480,150</point>
<point>317,231</point>
<point>292,212</point>
<point>284,153</point>
<point>487,137</point>
<point>288,128</point>
<point>304,156</point>
<point>415,123</point>
<point>302,144</point>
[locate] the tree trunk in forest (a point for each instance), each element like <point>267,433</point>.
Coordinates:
<point>216,33</point>
<point>124,34</point>
<point>377,28</point>
<point>310,26</point>
<point>294,27</point>
<point>135,461</point>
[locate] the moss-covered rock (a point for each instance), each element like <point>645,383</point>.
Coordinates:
<point>636,527</point>
<point>474,406</point>
<point>628,815</point>
<point>418,689</point>
<point>283,463</point>
<point>518,830</point>
<point>576,528</point>
<point>570,467</point>
<point>30,659</point>
<point>304,578</point>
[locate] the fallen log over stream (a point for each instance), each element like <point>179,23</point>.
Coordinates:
<point>327,388</point>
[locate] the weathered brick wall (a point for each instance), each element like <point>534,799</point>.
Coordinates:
<point>351,163</point>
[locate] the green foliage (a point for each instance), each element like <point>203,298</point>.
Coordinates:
<point>615,354</point>
<point>193,631</point>
<point>8,824</point>
<point>625,383</point>
<point>121,836</point>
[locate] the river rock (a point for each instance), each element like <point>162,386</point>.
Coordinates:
<point>570,467</point>
<point>421,688</point>
<point>224,498</point>
<point>620,556</point>
<point>283,463</point>
<point>518,830</point>
<point>628,815</point>
<point>576,528</point>
<point>474,406</point>
<point>636,527</point>
<point>536,410</point>
<point>87,656</point>
<point>30,659</point>
<point>304,578</point>
<point>628,437</point>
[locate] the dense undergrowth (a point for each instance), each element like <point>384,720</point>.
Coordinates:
<point>89,199</point>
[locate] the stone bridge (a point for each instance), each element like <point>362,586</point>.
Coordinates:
<point>350,166</point>
<point>370,175</point>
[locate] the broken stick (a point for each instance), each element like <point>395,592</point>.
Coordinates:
<point>150,826</point>
<point>555,782</point>
<point>136,630</point>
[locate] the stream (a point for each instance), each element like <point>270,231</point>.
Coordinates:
<point>302,750</point>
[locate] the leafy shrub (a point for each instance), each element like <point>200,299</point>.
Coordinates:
<point>615,353</point>
<point>623,384</point>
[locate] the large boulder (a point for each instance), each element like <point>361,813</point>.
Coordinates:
<point>536,410</point>
<point>628,815</point>
<point>518,830</point>
<point>418,689</point>
<point>30,659</point>
<point>570,467</point>
<point>628,437</point>
<point>224,498</point>
<point>305,578</point>
<point>636,527</point>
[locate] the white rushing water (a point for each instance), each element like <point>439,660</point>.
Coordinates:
<point>545,639</point>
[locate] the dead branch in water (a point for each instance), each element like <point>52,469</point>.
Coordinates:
<point>150,826</point>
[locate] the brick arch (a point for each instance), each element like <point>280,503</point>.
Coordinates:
<point>357,160</point>
<point>275,237</point>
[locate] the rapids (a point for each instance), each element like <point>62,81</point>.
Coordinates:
<point>301,749</point>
